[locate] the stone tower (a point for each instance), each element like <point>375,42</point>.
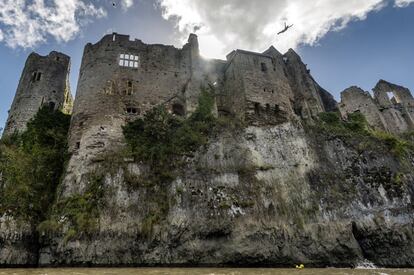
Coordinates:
<point>44,81</point>
<point>121,79</point>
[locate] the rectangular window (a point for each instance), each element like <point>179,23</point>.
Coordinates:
<point>129,60</point>
<point>264,67</point>
<point>36,76</point>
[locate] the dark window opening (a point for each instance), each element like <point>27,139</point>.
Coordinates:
<point>264,89</point>
<point>264,67</point>
<point>178,109</point>
<point>36,76</point>
<point>130,88</point>
<point>257,108</point>
<point>54,91</point>
<point>132,110</point>
<point>77,146</point>
<point>52,105</point>
<point>277,109</point>
<point>57,58</point>
<point>267,107</point>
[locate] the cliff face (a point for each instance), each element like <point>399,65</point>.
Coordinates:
<point>262,196</point>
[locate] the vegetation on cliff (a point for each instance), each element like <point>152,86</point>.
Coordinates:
<point>357,129</point>
<point>160,138</point>
<point>31,164</point>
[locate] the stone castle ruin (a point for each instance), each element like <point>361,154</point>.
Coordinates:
<point>44,81</point>
<point>121,79</point>
<point>268,194</point>
<point>391,109</point>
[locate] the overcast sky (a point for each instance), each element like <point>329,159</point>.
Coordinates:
<point>344,42</point>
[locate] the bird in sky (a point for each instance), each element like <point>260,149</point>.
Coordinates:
<point>287,27</point>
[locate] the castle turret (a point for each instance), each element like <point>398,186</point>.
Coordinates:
<point>44,81</point>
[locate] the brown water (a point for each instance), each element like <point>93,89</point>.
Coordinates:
<point>202,271</point>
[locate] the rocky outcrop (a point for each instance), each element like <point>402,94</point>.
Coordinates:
<point>268,196</point>
<point>19,244</point>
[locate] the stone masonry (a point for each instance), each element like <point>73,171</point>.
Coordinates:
<point>44,81</point>
<point>121,79</point>
<point>390,109</point>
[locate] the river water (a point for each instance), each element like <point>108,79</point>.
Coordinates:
<point>202,271</point>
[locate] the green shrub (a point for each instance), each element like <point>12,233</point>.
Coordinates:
<point>356,127</point>
<point>160,139</point>
<point>32,164</point>
<point>79,212</point>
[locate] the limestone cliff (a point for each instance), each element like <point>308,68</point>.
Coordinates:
<point>261,196</point>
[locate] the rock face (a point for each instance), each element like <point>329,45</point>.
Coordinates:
<point>264,196</point>
<point>274,192</point>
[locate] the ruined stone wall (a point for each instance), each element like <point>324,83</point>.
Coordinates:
<point>354,99</point>
<point>110,94</point>
<point>391,109</point>
<point>44,81</point>
<point>397,105</point>
<point>308,101</point>
<point>257,87</point>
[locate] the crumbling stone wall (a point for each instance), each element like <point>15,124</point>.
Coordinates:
<point>308,101</point>
<point>44,81</point>
<point>109,94</point>
<point>271,88</point>
<point>391,108</point>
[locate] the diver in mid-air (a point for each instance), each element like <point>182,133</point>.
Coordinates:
<point>285,29</point>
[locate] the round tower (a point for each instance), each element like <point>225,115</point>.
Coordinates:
<point>44,81</point>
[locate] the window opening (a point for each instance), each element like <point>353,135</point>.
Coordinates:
<point>128,60</point>
<point>178,109</point>
<point>390,95</point>
<point>52,105</point>
<point>36,76</point>
<point>130,88</point>
<point>257,108</point>
<point>132,110</point>
<point>264,67</point>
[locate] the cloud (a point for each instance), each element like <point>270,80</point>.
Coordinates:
<point>125,4</point>
<point>403,3</point>
<point>1,35</point>
<point>26,23</point>
<point>253,25</point>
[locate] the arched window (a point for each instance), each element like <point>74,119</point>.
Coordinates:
<point>178,109</point>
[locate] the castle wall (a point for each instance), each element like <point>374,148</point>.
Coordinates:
<point>108,94</point>
<point>354,99</point>
<point>44,81</point>
<point>257,88</point>
<point>308,101</point>
<point>391,108</point>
